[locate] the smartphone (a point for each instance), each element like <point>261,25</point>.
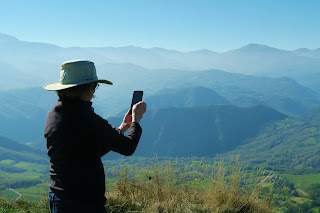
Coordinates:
<point>137,97</point>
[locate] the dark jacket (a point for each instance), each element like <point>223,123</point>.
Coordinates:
<point>76,140</point>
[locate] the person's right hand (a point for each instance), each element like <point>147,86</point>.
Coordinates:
<point>138,110</point>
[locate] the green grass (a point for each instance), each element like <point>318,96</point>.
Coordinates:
<point>303,181</point>
<point>39,168</point>
<point>34,193</point>
<point>23,206</point>
<point>311,140</point>
<point>34,170</point>
<point>7,161</point>
<point>300,199</point>
<point>8,194</point>
<point>21,176</point>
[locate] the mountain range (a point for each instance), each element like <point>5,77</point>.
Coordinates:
<point>38,63</point>
<point>259,101</point>
<point>23,111</point>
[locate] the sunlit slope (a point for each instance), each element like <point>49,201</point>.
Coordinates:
<point>289,144</point>
<point>13,150</point>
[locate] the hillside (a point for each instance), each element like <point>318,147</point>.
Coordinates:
<point>12,150</point>
<point>185,97</point>
<point>200,131</point>
<point>287,144</point>
<point>312,115</point>
<point>251,59</point>
<point>23,113</point>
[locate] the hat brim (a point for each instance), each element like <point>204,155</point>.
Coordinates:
<point>59,86</point>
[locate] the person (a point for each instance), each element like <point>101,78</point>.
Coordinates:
<point>77,138</point>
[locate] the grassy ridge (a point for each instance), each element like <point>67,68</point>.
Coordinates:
<point>199,188</point>
<point>173,187</point>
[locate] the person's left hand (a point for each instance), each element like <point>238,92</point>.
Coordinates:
<point>127,120</point>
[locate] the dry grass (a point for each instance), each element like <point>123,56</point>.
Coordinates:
<point>201,188</point>
<point>176,188</point>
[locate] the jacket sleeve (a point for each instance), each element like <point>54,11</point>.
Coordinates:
<point>112,139</point>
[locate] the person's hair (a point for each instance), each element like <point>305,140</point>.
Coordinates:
<point>77,92</point>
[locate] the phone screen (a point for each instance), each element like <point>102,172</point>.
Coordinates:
<point>137,97</point>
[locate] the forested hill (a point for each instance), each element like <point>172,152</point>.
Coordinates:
<point>312,115</point>
<point>200,131</point>
<point>287,144</point>
<point>13,150</point>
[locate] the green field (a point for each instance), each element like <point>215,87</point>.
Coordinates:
<point>6,161</point>
<point>39,168</point>
<point>21,176</point>
<point>303,181</point>
<point>8,194</point>
<point>34,193</point>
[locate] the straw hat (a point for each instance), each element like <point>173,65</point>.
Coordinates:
<point>74,73</point>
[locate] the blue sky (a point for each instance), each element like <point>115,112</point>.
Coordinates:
<point>172,24</point>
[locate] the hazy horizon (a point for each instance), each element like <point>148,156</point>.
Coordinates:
<point>158,47</point>
<point>178,25</point>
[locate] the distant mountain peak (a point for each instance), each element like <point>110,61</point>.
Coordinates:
<point>252,47</point>
<point>306,50</point>
<point>257,46</point>
<point>303,49</point>
<point>5,37</point>
<point>203,51</point>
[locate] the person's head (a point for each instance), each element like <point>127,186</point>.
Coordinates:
<point>83,92</point>
<point>78,80</point>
